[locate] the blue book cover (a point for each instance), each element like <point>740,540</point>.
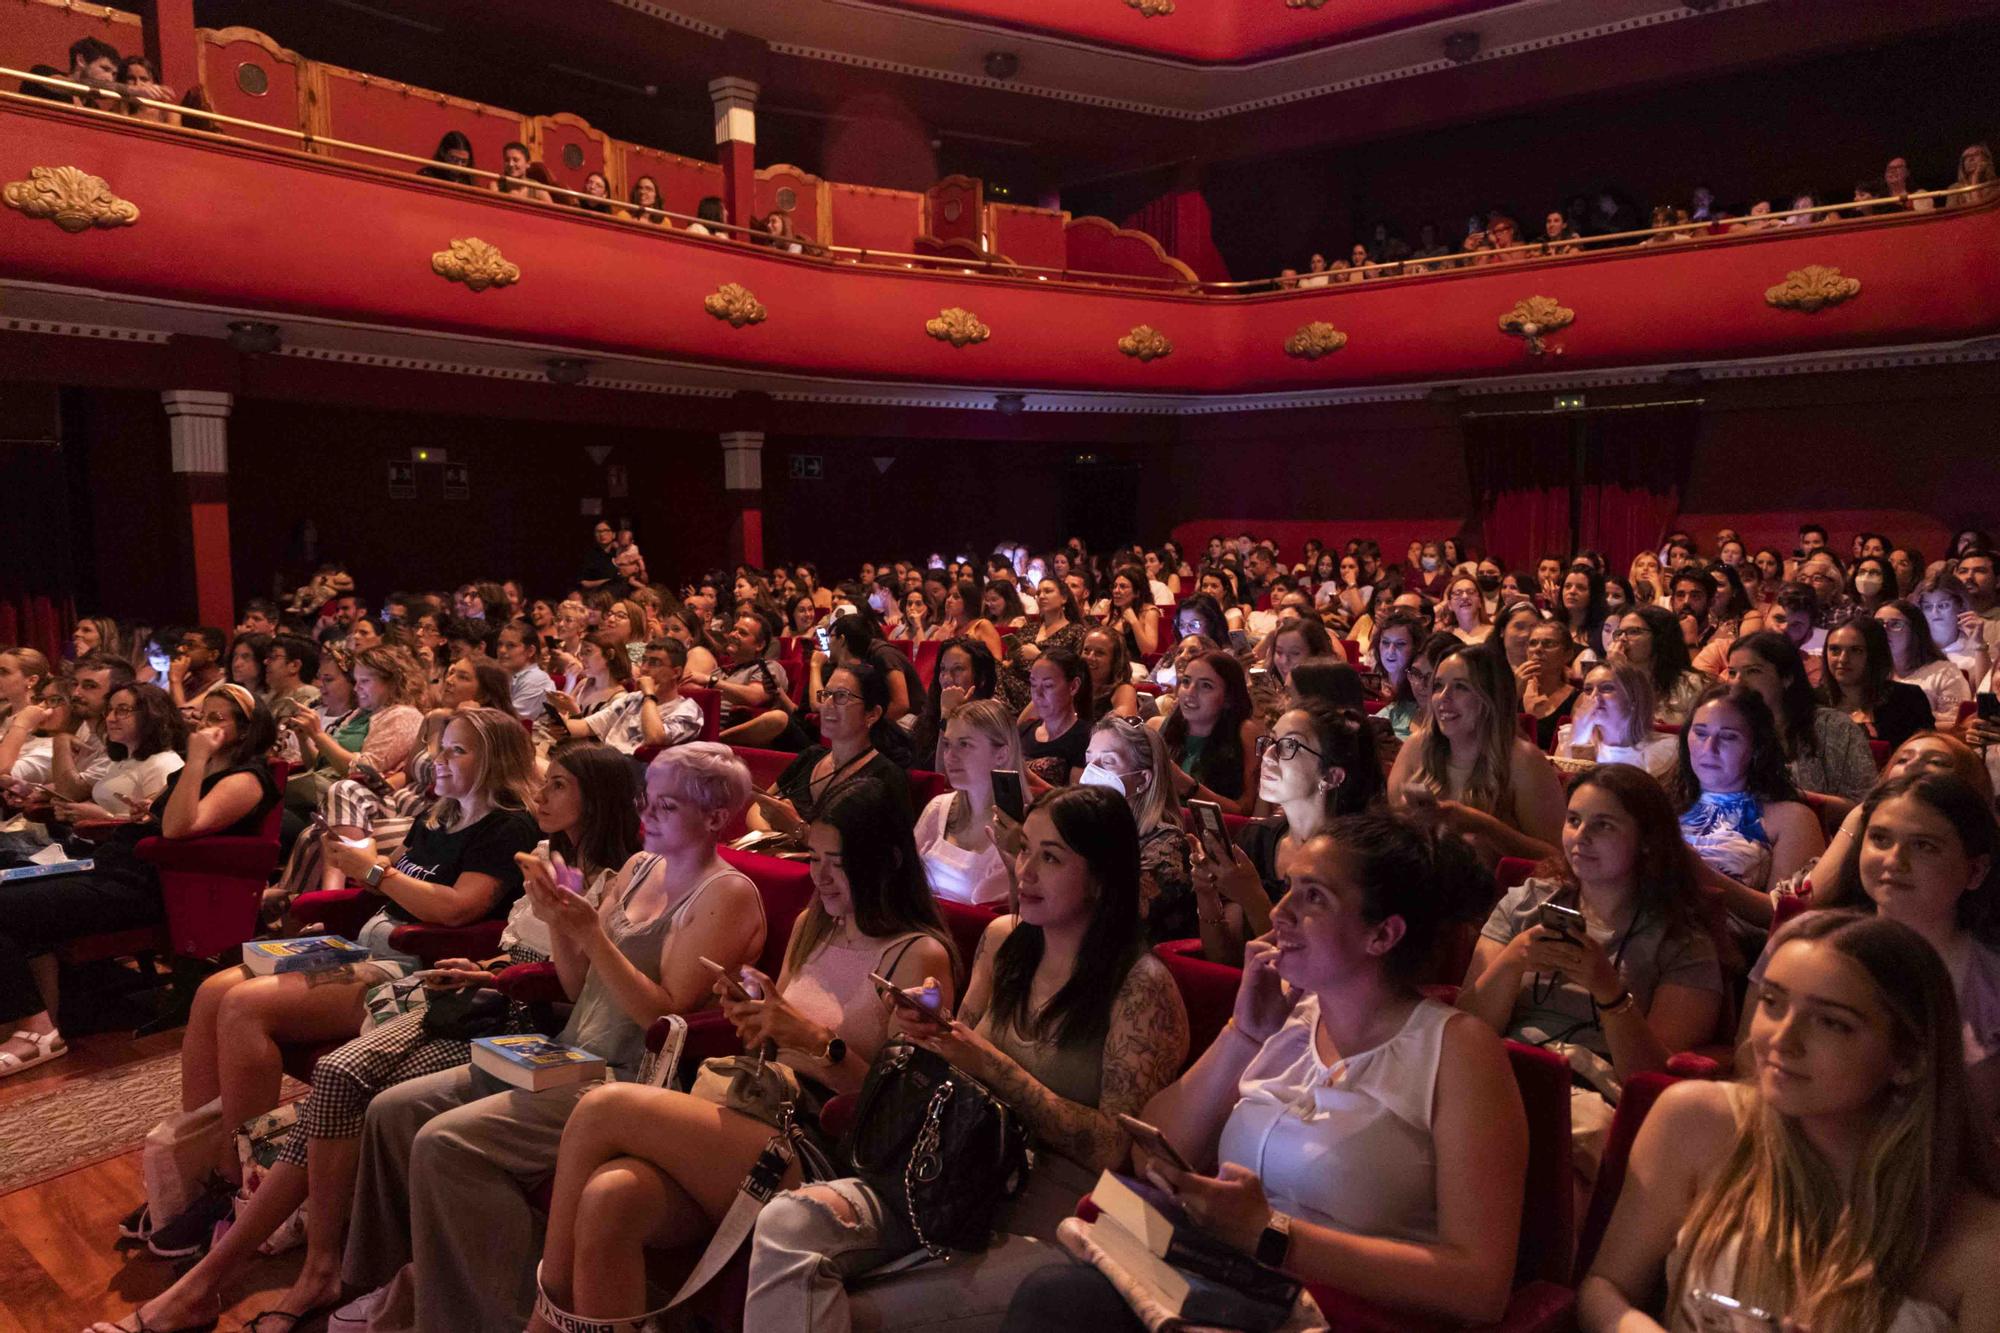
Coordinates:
<point>307,953</point>
<point>54,868</point>
<point>533,1061</point>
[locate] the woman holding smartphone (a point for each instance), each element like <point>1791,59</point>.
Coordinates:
<point>641,1162</point>
<point>1069,1020</point>
<point>584,809</point>
<point>852,732</point>
<point>1343,1127</point>
<point>1844,1185</point>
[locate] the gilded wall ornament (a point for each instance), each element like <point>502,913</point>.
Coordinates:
<point>1304,4</point>
<point>957,327</point>
<point>71,198</point>
<point>1811,289</point>
<point>1315,340</point>
<point>736,303</point>
<point>476,264</point>
<point>1534,319</point>
<point>1146,342</point>
<point>1154,9</point>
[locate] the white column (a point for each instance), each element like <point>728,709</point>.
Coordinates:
<point>735,109</point>
<point>743,460</point>
<point>198,424</point>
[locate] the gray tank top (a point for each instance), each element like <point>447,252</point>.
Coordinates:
<point>597,1023</point>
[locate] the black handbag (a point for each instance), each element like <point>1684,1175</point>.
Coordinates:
<point>937,1146</point>
<point>465,1015</point>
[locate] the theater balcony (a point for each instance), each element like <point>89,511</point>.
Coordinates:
<point>310,229</point>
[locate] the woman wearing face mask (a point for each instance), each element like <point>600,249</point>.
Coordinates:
<point>1060,626</point>
<point>1111,691</point>
<point>1870,583</point>
<point>1131,759</point>
<point>964,671</point>
<point>1317,765</point>
<point>1918,662</point>
<point>1383,1129</point>
<point>1470,768</point>
<point>852,733</point>
<point>1955,627</point>
<point>1613,724</point>
<point>1053,741</point>
<point>1430,574</point>
<point>1639,981</point>
<point>1069,1020</point>
<point>1547,695</point>
<point>1850,1151</point>
<point>954,835</point>
<point>1860,681</point>
<point>1212,733</point>
<point>224,787</point>
<point>639,1162</point>
<point>1739,809</point>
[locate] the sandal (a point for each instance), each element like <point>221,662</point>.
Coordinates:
<point>48,1046</point>
<point>257,1325</point>
<point>133,1323</point>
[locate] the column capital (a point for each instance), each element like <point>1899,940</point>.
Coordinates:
<point>735,101</point>
<point>743,460</point>
<point>198,427</point>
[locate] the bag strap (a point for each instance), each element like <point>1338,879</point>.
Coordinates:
<point>765,1179</point>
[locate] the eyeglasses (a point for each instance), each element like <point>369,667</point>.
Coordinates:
<point>1288,747</point>
<point>839,698</point>
<point>1634,633</point>
<point>122,710</point>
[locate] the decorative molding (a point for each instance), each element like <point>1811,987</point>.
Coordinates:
<point>1153,9</point>
<point>1535,317</point>
<point>1315,340</point>
<point>71,198</point>
<point>1812,289</point>
<point>959,327</point>
<point>1305,4</point>
<point>651,10</point>
<point>1146,343</point>
<point>198,429</point>
<point>476,264</point>
<point>743,460</point>
<point>736,303</point>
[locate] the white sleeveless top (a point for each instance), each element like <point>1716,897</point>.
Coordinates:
<point>954,872</point>
<point>1349,1146</point>
<point>1913,1316</point>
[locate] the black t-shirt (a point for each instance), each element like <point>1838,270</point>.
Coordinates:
<point>483,848</point>
<point>116,854</point>
<point>601,564</point>
<point>795,784</point>
<point>1053,760</point>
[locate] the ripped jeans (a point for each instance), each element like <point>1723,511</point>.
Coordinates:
<point>805,1261</point>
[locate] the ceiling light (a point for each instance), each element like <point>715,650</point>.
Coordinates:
<point>566,370</point>
<point>250,335</point>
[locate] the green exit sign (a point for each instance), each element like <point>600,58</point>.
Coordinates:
<point>1569,402</point>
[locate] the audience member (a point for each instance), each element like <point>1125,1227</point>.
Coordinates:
<point>1739,810</point>
<point>1823,748</point>
<point>1613,724</point>
<point>1860,681</point>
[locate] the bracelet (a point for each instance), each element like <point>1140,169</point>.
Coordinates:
<point>1626,1000</point>
<point>1217,920</point>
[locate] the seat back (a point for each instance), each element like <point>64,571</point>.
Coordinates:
<point>925,658</point>
<point>211,887</point>
<point>926,786</point>
<point>764,765</point>
<point>1634,1102</point>
<point>786,888</point>
<point>1880,751</point>
<point>1548,1210</point>
<point>967,922</point>
<point>1208,990</point>
<point>794,664</point>
<point>711,709</point>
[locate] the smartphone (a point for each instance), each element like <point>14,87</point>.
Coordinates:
<point>907,1002</point>
<point>1717,1313</point>
<point>823,638</point>
<point>1989,706</point>
<point>1564,921</point>
<point>1009,794</point>
<point>731,982</point>
<point>1153,1141</point>
<point>553,713</point>
<point>1214,834</point>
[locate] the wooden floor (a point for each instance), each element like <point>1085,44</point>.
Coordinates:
<point>60,1266</point>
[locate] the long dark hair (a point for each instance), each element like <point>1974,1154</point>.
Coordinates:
<point>1077,674</point>
<point>159,722</point>
<point>1221,766</point>
<point>1098,825</point>
<point>1670,652</point>
<point>1796,705</point>
<point>1878,670</point>
<point>985,680</point>
<point>1215,625</point>
<point>256,732</point>
<point>1594,610</point>
<point>609,791</point>
<point>1963,806</point>
<point>885,876</point>
<point>1768,778</point>
<point>1923,646</point>
<point>1427,876</point>
<point>1667,889</point>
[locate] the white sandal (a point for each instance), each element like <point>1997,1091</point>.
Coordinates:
<point>48,1046</point>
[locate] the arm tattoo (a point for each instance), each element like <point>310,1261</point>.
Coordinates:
<point>1143,1049</point>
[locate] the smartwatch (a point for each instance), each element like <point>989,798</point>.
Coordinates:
<point>835,1052</point>
<point>1275,1244</point>
<point>373,879</point>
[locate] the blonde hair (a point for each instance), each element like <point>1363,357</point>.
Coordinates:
<point>402,679</point>
<point>1146,750</point>
<point>1490,785</point>
<point>1637,687</point>
<point>1845,1257</point>
<point>505,772</point>
<point>991,719</point>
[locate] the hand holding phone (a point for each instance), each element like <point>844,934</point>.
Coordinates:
<point>927,1005</point>
<point>1009,796</point>
<point>732,985</point>
<point>1153,1141</point>
<point>1214,834</point>
<point>1564,921</point>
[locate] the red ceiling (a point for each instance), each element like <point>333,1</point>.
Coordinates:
<point>1220,32</point>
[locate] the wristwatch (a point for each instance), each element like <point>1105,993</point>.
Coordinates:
<point>835,1052</point>
<point>1275,1244</point>
<point>373,879</point>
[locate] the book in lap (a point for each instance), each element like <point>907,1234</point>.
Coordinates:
<point>534,1062</point>
<point>1190,1275</point>
<point>307,953</point>
<point>41,869</point>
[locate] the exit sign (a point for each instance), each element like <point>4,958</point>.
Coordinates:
<point>1569,402</point>
<point>807,467</point>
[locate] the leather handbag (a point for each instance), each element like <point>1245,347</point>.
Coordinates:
<point>771,1092</point>
<point>938,1146</point>
<point>466,1015</point>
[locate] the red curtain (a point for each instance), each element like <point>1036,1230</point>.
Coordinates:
<point>36,607</point>
<point>1626,468</point>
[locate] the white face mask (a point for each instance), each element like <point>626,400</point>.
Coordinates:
<point>1429,562</point>
<point>1096,775</point>
<point>1867,584</point>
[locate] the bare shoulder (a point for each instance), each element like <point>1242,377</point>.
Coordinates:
<point>1792,817</point>
<point>996,932</point>
<point>1149,984</point>
<point>1963,1254</point>
<point>1698,1117</point>
<point>1530,761</point>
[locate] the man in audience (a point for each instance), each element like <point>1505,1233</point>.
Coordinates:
<point>528,684</point>
<point>90,61</point>
<point>259,617</point>
<point>602,565</point>
<point>197,669</point>
<point>1689,599</point>
<point>81,721</point>
<point>1812,537</point>
<point>750,686</point>
<point>1975,571</point>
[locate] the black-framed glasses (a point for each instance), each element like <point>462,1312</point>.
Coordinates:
<point>839,698</point>
<point>1288,747</point>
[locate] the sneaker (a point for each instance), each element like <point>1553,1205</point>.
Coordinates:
<point>191,1232</point>
<point>137,1224</point>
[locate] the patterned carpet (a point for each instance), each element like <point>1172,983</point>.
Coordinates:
<point>85,1120</point>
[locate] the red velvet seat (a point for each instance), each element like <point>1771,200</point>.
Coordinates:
<point>1880,751</point>
<point>1207,989</point>
<point>926,786</point>
<point>967,923</point>
<point>1634,1102</point>
<point>924,659</point>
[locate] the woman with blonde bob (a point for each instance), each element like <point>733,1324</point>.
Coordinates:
<point>1842,1187</point>
<point>1613,723</point>
<point>954,833</point>
<point>1130,758</point>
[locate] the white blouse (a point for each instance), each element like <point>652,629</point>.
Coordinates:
<point>957,874</point>
<point>128,780</point>
<point>1944,685</point>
